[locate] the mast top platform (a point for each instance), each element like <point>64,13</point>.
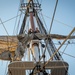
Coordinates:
<point>30,5</point>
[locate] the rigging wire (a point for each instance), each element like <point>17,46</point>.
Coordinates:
<point>4,27</point>
<point>33,55</point>
<point>73,39</point>
<point>10,19</point>
<point>17,15</point>
<point>62,54</point>
<point>50,31</point>
<point>43,15</point>
<point>18,23</point>
<point>65,43</point>
<point>53,16</point>
<point>59,47</point>
<point>15,23</point>
<point>47,37</point>
<point>44,20</point>
<point>67,54</point>
<point>58,21</point>
<point>66,46</point>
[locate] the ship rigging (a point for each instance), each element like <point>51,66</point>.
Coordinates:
<point>34,44</point>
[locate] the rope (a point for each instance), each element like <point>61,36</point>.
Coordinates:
<point>64,44</point>
<point>44,20</point>
<point>65,48</point>
<point>68,54</point>
<point>9,19</point>
<point>58,21</point>
<point>15,24</point>
<point>21,1</point>
<point>4,26</point>
<point>53,16</point>
<point>18,23</point>
<point>33,55</point>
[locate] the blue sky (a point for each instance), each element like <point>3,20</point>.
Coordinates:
<point>65,13</point>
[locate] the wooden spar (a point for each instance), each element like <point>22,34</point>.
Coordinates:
<point>13,40</point>
<point>32,21</point>
<point>43,36</point>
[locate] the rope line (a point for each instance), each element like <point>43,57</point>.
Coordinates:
<point>4,27</point>
<point>58,21</point>
<point>9,19</point>
<point>68,54</point>
<point>53,16</point>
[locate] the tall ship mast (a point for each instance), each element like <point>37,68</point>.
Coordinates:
<point>33,51</point>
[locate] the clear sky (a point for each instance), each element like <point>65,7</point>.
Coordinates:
<point>65,13</point>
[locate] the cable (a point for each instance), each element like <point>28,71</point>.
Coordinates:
<point>65,48</point>
<point>58,21</point>
<point>68,54</point>
<point>4,26</point>
<point>62,54</point>
<point>17,14</point>
<point>53,16</point>
<point>15,24</point>
<point>18,23</point>
<point>33,55</point>
<point>9,19</point>
<point>44,20</point>
<point>65,43</point>
<point>43,15</point>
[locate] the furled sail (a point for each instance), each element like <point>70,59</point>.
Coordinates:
<point>8,45</point>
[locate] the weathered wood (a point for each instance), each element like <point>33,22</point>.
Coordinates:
<point>43,36</point>
<point>56,67</point>
<point>8,43</point>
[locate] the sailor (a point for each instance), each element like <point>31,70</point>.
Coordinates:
<point>37,30</point>
<point>30,31</point>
